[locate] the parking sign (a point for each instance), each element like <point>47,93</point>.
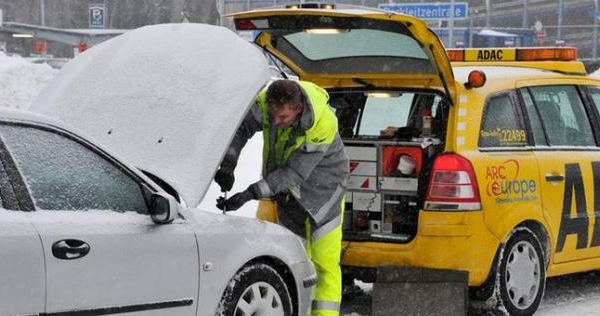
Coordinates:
<point>97,15</point>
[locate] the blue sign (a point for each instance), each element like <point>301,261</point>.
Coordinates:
<point>97,16</point>
<point>436,11</point>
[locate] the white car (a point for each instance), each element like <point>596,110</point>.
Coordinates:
<point>82,232</point>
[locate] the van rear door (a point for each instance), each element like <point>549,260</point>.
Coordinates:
<point>348,48</point>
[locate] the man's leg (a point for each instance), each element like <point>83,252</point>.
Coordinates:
<point>324,252</point>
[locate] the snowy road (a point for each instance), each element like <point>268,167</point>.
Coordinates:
<point>577,294</point>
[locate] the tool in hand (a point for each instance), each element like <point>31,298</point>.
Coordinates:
<point>224,203</point>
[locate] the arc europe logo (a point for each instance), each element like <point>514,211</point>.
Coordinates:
<point>504,183</point>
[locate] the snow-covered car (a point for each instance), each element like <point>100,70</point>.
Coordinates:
<point>87,226</point>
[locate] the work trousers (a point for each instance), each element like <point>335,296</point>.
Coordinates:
<point>323,247</point>
<point>325,252</point>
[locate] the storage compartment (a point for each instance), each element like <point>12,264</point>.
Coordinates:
<point>383,190</point>
<point>387,176</point>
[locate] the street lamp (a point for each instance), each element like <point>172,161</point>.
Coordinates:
<point>42,13</point>
<point>595,36</point>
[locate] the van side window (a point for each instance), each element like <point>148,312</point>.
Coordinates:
<point>563,116</point>
<point>595,92</point>
<point>501,126</point>
<point>539,138</point>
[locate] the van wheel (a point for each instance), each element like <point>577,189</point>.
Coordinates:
<point>522,276</point>
<point>256,290</point>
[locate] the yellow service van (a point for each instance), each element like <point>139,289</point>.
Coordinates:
<point>480,160</point>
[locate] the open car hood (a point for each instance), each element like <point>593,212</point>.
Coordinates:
<point>167,98</point>
<point>350,48</point>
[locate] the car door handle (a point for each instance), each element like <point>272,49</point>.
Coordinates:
<point>68,249</point>
<point>554,177</point>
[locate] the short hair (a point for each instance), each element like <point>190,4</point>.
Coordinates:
<point>282,92</point>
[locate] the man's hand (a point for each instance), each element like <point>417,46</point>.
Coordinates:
<point>236,201</point>
<point>224,178</point>
<point>388,132</point>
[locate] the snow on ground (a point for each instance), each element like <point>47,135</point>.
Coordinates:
<point>21,81</point>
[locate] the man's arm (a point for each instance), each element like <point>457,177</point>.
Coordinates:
<point>299,167</point>
<point>250,125</point>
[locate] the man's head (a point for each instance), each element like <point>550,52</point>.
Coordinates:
<point>284,99</point>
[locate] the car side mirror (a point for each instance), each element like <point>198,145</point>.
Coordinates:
<point>163,208</point>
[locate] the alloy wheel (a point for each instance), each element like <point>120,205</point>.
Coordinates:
<point>523,274</point>
<point>259,299</point>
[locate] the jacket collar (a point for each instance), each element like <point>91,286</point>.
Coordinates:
<point>307,118</point>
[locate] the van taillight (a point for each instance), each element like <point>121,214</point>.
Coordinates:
<point>452,185</point>
<point>244,24</point>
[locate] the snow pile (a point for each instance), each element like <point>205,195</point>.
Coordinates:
<point>595,74</point>
<point>21,81</point>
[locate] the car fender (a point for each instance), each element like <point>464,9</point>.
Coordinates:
<point>226,243</point>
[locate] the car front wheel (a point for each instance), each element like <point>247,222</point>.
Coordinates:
<point>256,290</point>
<point>522,274</point>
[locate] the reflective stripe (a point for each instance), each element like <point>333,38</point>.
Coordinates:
<point>323,230</point>
<point>256,113</point>
<point>320,215</point>
<point>295,192</point>
<point>271,163</point>
<point>263,186</point>
<point>327,305</point>
<point>311,148</point>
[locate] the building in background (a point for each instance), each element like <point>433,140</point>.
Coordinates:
<point>485,22</point>
<point>495,23</point>
<point>77,16</point>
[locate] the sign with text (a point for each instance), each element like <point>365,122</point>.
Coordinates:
<point>433,11</point>
<point>541,35</point>
<point>97,16</point>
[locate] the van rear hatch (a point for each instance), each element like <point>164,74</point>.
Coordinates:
<point>339,48</point>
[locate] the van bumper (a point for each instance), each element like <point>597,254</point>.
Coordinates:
<point>444,240</point>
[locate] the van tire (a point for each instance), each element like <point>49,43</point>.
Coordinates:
<point>521,278</point>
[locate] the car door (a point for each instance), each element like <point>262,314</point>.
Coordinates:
<point>103,253</point>
<point>506,166</point>
<point>568,158</point>
<point>21,256</point>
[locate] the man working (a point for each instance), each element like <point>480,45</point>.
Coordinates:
<point>305,169</point>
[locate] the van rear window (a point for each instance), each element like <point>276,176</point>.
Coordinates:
<point>355,43</point>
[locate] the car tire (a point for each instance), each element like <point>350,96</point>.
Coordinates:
<point>256,289</point>
<point>522,274</point>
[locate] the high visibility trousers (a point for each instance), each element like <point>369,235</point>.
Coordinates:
<point>325,255</point>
